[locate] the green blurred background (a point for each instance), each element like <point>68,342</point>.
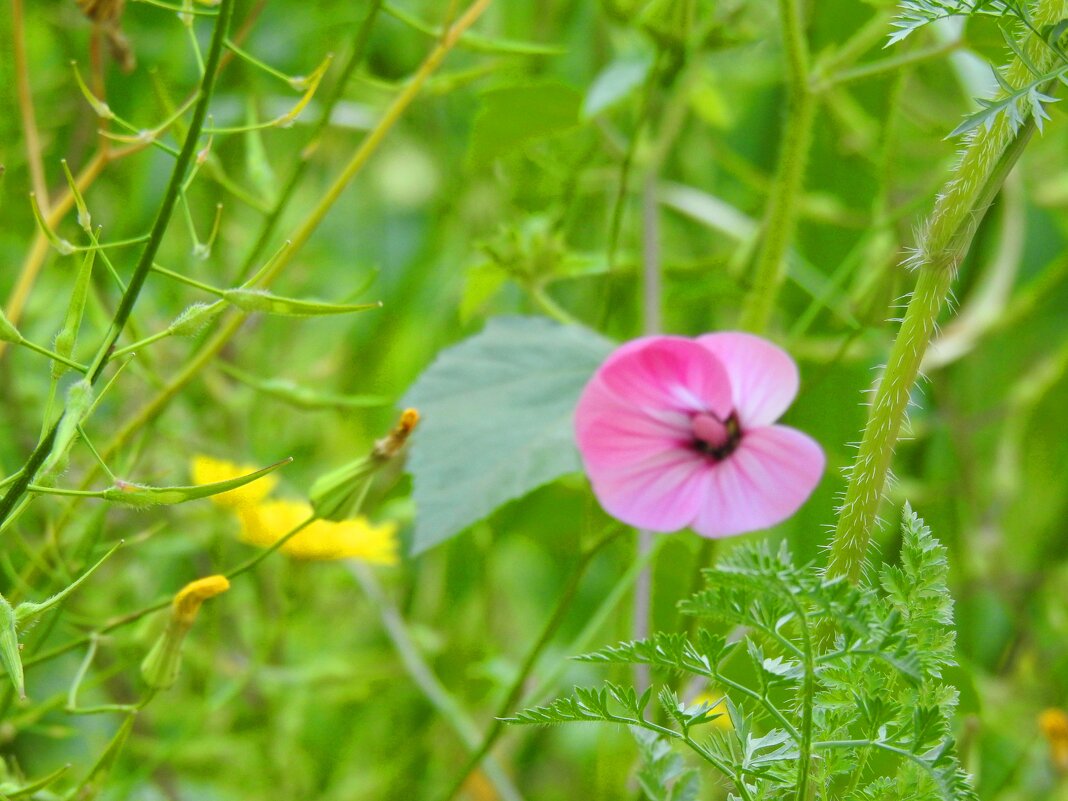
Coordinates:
<point>290,689</point>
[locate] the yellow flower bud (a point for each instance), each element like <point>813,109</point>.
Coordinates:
<point>187,602</point>
<point>161,667</point>
<point>389,445</point>
<point>340,493</point>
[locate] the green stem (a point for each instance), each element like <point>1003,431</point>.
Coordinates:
<point>876,68</point>
<point>185,279</point>
<point>431,687</point>
<point>781,217</point>
<point>597,620</point>
<point>563,603</point>
<point>808,701</point>
<point>648,101</point>
<point>989,156</point>
<point>363,152</point>
<point>51,354</point>
<point>144,265</point>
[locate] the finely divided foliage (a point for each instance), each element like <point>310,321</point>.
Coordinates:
<point>1015,101</point>
<point>834,691</point>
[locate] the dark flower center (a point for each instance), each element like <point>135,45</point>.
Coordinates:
<point>713,437</point>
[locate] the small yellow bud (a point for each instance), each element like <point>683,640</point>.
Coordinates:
<point>390,444</point>
<point>160,668</point>
<point>188,600</point>
<point>340,493</point>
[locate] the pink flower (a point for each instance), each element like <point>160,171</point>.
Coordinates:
<point>678,432</point>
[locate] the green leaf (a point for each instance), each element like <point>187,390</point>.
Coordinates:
<point>496,413</point>
<point>140,495</point>
<point>616,82</point>
<point>514,115</point>
<point>258,300</point>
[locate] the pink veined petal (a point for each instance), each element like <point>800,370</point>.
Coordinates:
<point>668,374</point>
<point>767,478</point>
<point>661,493</point>
<point>762,376</point>
<point>610,431</point>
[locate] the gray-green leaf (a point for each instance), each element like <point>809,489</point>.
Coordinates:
<point>496,420</point>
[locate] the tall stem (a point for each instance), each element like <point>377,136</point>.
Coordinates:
<point>515,694</point>
<point>781,217</point>
<point>988,157</point>
<point>424,677</point>
<point>144,265</point>
<point>652,323</point>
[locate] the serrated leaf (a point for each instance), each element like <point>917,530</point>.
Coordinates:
<point>497,420</point>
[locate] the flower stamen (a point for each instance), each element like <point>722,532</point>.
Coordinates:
<point>713,437</point>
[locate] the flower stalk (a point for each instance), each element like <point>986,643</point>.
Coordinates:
<point>989,156</point>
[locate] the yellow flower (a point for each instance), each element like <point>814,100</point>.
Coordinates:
<point>1054,724</point>
<point>717,705</point>
<point>207,470</point>
<point>266,523</point>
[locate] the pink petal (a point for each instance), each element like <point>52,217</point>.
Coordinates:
<point>762,376</point>
<point>767,478</point>
<point>632,425</point>
<point>661,493</point>
<point>658,374</point>
<point>609,430</point>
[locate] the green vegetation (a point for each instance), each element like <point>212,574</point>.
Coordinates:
<point>258,231</point>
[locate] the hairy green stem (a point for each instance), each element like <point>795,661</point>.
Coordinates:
<point>808,701</point>
<point>144,265</point>
<point>781,216</point>
<point>990,154</point>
